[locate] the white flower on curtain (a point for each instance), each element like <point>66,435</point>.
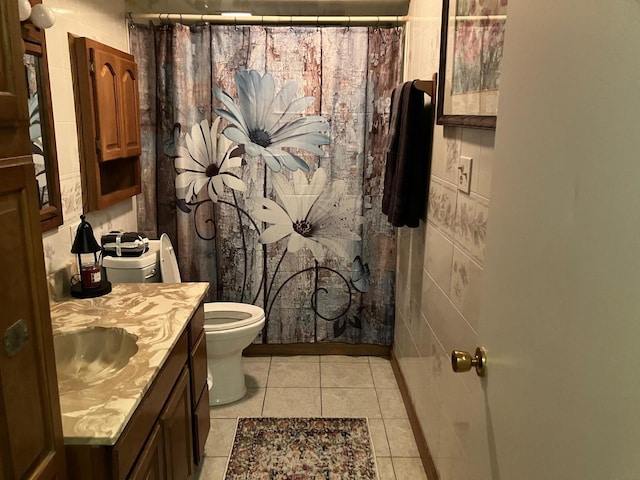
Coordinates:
<point>265,123</point>
<point>313,217</point>
<point>207,161</point>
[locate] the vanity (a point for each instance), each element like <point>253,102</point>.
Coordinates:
<point>132,378</point>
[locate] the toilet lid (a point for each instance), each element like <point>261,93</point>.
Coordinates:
<point>168,261</point>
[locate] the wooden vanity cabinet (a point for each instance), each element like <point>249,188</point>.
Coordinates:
<point>161,440</point>
<point>108,110</point>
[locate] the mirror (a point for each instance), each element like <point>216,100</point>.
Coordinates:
<point>41,129</point>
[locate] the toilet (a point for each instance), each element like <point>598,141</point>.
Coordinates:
<point>229,327</point>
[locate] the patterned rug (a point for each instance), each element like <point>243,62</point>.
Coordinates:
<point>301,449</point>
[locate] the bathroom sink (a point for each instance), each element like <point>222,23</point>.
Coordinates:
<point>91,354</point>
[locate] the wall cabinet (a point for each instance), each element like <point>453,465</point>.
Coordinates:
<point>108,111</point>
<point>161,440</point>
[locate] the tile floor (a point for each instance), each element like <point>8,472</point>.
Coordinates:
<point>314,386</point>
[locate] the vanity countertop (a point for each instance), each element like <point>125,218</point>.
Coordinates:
<point>96,414</point>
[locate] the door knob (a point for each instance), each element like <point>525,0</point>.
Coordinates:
<point>463,361</point>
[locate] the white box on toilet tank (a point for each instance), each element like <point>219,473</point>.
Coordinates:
<point>142,269</point>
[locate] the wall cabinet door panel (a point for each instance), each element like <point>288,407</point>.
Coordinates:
<point>107,101</point>
<point>130,123</point>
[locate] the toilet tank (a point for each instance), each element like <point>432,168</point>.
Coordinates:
<point>142,269</point>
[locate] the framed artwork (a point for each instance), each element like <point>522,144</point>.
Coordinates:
<point>470,56</point>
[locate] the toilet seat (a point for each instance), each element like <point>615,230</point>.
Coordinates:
<point>168,261</point>
<point>221,316</point>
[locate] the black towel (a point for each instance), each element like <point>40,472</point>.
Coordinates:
<point>406,182</point>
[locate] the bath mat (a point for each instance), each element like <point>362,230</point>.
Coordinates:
<point>301,449</point>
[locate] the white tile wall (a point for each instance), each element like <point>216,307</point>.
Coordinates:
<point>104,22</point>
<point>450,251</point>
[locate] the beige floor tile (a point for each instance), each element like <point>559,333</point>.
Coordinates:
<point>354,375</point>
<point>295,359</point>
<point>350,402</point>
<point>249,406</point>
<point>385,469</point>
<point>391,404</point>
<point>383,360</point>
<point>343,359</point>
<point>261,359</point>
<point>255,374</point>
<point>409,468</point>
<point>294,375</point>
<point>383,376</point>
<point>379,437</point>
<point>400,437</point>
<point>220,437</point>
<point>292,402</point>
<point>212,468</point>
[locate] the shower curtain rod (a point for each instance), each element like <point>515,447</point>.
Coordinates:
<point>355,21</point>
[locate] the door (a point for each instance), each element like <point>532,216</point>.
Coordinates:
<point>561,305</point>
<point>30,425</point>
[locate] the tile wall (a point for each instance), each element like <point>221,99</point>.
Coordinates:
<point>104,22</point>
<point>440,269</point>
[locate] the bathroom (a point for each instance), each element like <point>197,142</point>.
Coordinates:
<point>443,297</point>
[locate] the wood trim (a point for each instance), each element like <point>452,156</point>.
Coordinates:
<point>256,350</point>
<point>421,441</point>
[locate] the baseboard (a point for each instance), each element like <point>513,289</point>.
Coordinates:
<point>421,442</point>
<point>256,349</point>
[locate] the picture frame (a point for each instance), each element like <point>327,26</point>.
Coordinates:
<point>472,40</point>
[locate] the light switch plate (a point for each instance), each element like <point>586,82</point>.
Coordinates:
<point>464,174</point>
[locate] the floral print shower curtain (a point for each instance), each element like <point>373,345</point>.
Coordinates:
<point>263,160</point>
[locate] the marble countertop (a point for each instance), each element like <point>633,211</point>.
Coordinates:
<point>96,413</point>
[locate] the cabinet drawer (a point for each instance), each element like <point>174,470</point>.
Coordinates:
<point>201,424</point>
<point>196,326</point>
<point>198,368</point>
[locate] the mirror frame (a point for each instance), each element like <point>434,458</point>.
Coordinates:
<point>34,44</point>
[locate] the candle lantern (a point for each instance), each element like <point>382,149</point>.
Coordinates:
<point>92,281</point>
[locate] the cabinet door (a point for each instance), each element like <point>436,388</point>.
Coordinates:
<point>175,421</point>
<point>106,88</point>
<point>130,108</point>
<point>151,464</point>
<point>14,121</point>
<point>30,424</point>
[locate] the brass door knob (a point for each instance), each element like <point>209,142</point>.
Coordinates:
<point>463,361</point>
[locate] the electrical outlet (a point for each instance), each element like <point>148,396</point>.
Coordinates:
<point>464,174</point>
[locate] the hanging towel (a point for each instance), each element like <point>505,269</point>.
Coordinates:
<point>408,152</point>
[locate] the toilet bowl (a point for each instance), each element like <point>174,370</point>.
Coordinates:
<point>229,327</point>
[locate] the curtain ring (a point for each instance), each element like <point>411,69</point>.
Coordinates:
<point>377,27</point>
<point>132,25</point>
<point>181,23</point>
<point>160,19</point>
<point>348,24</point>
<point>291,23</point>
<point>235,24</point>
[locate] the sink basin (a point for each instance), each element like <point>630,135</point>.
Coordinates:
<point>92,354</point>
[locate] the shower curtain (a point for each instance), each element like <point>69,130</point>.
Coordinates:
<point>263,161</point>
